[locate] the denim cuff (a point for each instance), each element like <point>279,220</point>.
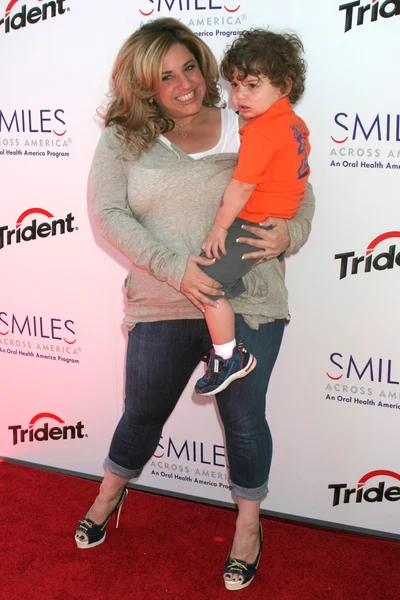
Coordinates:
<point>250,493</point>
<point>121,471</point>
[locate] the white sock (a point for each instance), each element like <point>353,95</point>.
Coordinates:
<point>225,351</point>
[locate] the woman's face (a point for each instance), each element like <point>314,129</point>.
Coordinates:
<point>182,86</point>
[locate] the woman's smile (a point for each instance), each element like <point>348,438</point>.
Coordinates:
<point>186,97</point>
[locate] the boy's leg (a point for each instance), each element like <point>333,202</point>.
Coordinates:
<point>229,269</point>
<point>228,361</point>
<point>220,322</point>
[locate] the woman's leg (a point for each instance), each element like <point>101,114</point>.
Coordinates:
<point>246,540</point>
<point>248,437</point>
<point>161,357</point>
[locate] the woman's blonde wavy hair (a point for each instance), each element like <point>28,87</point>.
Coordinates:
<point>136,77</point>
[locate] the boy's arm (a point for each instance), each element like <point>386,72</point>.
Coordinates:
<point>233,201</point>
<point>255,153</point>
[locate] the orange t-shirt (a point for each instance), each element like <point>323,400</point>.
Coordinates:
<point>274,154</point>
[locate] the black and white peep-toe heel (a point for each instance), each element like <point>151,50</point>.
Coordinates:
<point>238,574</point>
<point>88,534</point>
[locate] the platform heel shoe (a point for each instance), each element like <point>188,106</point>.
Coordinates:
<point>245,572</point>
<point>88,534</point>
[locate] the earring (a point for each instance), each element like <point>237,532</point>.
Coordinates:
<point>151,101</point>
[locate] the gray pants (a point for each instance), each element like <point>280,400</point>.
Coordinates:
<point>229,270</point>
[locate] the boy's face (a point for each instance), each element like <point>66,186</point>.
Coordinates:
<point>254,95</point>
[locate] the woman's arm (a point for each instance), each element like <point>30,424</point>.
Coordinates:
<point>108,194</point>
<point>300,225</point>
<point>287,234</point>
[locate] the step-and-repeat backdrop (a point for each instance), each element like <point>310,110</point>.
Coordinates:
<point>334,401</point>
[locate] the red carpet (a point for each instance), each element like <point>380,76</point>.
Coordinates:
<point>170,549</point>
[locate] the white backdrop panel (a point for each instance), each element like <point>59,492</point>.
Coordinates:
<point>333,403</point>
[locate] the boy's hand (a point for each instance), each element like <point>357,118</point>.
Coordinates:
<point>215,241</point>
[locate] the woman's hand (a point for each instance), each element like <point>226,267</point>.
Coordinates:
<point>215,241</point>
<point>196,284</point>
<point>270,243</point>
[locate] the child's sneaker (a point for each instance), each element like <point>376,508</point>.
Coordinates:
<point>220,373</point>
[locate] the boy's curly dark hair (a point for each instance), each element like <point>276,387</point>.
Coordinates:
<point>275,55</point>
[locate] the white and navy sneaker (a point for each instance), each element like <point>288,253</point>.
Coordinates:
<point>221,372</point>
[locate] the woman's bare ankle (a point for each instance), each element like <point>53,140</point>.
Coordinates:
<point>102,507</point>
<point>246,525</point>
<point>245,545</point>
<point>108,496</point>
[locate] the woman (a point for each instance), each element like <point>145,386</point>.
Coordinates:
<point>157,178</point>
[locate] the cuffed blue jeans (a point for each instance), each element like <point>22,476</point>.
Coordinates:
<point>161,357</point>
